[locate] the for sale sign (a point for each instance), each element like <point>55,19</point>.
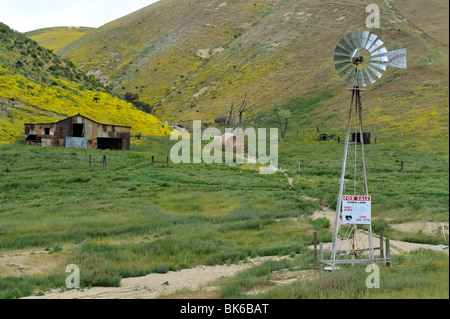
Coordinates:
<point>356,209</point>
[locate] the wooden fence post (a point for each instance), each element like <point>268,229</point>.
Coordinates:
<point>401,167</point>
<point>315,249</point>
<point>381,245</point>
<point>388,253</point>
<point>153,161</point>
<point>320,260</point>
<point>104,161</point>
<point>90,160</point>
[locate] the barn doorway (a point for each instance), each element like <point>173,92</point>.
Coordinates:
<point>78,130</point>
<point>104,143</point>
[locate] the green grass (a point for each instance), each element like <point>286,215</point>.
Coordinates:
<point>130,219</point>
<point>422,274</point>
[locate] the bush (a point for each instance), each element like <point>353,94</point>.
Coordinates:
<point>323,223</point>
<point>379,225</point>
<point>162,269</point>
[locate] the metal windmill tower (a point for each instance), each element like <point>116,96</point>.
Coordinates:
<point>360,57</point>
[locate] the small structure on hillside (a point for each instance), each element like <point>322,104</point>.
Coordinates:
<point>78,132</point>
<point>324,137</point>
<point>223,119</point>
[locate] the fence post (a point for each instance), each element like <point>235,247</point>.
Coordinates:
<point>388,253</point>
<point>315,249</point>
<point>104,161</point>
<point>381,245</point>
<point>401,168</point>
<point>153,160</point>
<point>320,260</point>
<point>90,160</point>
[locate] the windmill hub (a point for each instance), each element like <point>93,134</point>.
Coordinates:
<point>361,57</point>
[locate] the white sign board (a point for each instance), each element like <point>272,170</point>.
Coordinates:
<point>356,209</point>
<point>397,59</point>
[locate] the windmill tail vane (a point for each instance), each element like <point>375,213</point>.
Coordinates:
<point>361,57</point>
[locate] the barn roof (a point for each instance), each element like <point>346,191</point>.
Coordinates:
<point>75,116</point>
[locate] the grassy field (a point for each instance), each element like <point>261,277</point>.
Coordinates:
<point>130,219</point>
<point>57,38</point>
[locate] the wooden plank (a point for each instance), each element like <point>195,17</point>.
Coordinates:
<point>356,261</point>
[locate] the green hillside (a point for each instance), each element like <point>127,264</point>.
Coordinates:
<point>38,86</point>
<point>192,58</point>
<point>57,38</point>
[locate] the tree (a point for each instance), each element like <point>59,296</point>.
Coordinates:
<point>131,97</point>
<point>283,117</point>
<point>242,107</point>
<point>229,120</point>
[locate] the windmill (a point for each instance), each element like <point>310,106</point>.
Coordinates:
<point>360,58</point>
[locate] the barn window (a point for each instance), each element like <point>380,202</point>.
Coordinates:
<point>78,130</point>
<point>47,131</point>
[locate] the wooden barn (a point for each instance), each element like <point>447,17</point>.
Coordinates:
<point>78,132</point>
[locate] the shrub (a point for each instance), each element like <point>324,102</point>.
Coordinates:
<point>323,223</point>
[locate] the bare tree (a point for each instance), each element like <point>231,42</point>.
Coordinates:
<point>242,107</point>
<point>229,120</point>
<point>283,117</point>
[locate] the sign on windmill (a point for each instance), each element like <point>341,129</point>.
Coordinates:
<point>357,210</point>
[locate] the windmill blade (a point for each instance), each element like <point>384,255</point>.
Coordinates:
<point>341,58</point>
<point>355,54</point>
<point>379,52</point>
<point>349,78</point>
<point>381,58</point>
<point>356,82</point>
<point>339,66</point>
<point>342,51</point>
<point>364,38</point>
<point>397,59</point>
<point>357,35</point>
<point>379,65</point>
<point>345,71</point>
<point>378,74</point>
<point>371,40</point>
<point>345,45</point>
<point>371,79</point>
<point>349,38</point>
<point>363,78</point>
<point>377,45</point>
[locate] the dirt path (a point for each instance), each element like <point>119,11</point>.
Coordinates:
<point>156,285</point>
<point>198,280</point>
